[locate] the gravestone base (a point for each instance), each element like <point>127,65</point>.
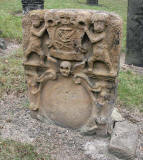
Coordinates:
<point>122,145</point>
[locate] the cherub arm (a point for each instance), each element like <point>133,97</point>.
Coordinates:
<point>92,36</point>
<point>99,37</point>
<point>40,33</point>
<point>48,75</point>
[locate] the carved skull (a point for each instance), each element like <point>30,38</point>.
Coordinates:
<point>65,68</point>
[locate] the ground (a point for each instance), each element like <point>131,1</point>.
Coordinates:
<point>15,120</point>
<point>50,140</point>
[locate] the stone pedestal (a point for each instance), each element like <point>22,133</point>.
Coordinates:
<point>71,66</point>
<point>29,5</point>
<point>135,33</point>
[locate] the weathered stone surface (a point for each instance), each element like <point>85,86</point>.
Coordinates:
<point>124,140</point>
<point>71,66</point>
<point>135,33</point>
<point>98,149</point>
<point>29,5</point>
<point>3,44</point>
<point>116,116</point>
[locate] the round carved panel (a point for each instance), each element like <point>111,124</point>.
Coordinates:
<point>66,103</point>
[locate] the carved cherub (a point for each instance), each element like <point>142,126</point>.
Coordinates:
<point>97,36</point>
<point>102,89</point>
<point>34,89</point>
<point>35,84</point>
<point>36,32</point>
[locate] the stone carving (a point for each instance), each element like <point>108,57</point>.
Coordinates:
<point>135,33</point>
<point>29,5</point>
<point>71,67</point>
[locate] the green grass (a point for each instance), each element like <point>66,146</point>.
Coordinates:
<point>10,24</point>
<point>130,90</point>
<point>11,150</point>
<point>12,73</point>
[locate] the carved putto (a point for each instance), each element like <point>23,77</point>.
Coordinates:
<point>71,67</point>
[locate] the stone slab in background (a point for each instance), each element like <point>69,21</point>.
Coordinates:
<point>3,45</point>
<point>92,2</point>
<point>124,140</point>
<point>135,33</point>
<point>29,5</point>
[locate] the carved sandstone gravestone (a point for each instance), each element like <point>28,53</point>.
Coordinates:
<point>71,66</point>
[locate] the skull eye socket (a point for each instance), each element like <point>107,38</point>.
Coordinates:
<point>67,68</point>
<point>50,21</point>
<point>62,67</point>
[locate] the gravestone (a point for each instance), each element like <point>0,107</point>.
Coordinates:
<point>71,67</point>
<point>92,2</point>
<point>29,5</point>
<point>135,33</point>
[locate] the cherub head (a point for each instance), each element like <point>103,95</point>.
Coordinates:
<point>36,20</point>
<point>65,68</point>
<point>100,22</point>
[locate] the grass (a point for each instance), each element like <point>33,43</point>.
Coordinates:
<point>12,73</point>
<point>11,150</point>
<point>130,90</point>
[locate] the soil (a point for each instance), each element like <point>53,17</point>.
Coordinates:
<point>12,45</point>
<point>17,124</point>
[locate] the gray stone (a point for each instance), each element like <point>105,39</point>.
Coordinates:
<point>98,149</point>
<point>116,116</point>
<point>124,140</point>
<point>92,2</point>
<point>2,44</point>
<point>135,33</point>
<point>29,5</point>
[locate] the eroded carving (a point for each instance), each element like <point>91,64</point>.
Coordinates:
<point>71,66</point>
<point>97,37</point>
